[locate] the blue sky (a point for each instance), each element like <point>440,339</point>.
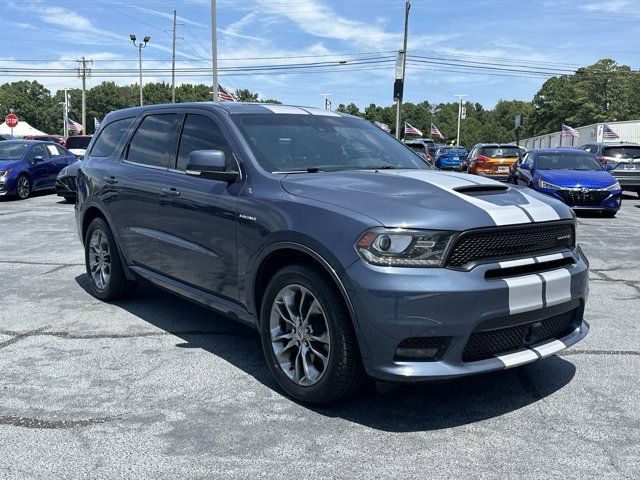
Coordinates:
<point>513,35</point>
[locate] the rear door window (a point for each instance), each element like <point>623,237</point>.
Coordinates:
<point>152,144</point>
<point>109,137</point>
<point>201,133</point>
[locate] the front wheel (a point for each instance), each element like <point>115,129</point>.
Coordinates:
<point>107,277</point>
<point>308,338</point>
<point>24,187</point>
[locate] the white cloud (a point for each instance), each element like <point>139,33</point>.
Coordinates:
<point>65,18</point>
<point>611,6</point>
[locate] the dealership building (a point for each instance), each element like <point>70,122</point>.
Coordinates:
<point>628,131</point>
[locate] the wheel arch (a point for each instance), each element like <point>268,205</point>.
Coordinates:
<point>90,214</point>
<point>282,254</point>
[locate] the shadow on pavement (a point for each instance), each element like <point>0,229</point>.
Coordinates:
<point>404,409</point>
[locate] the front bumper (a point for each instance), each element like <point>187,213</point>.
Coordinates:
<point>611,203</point>
<point>393,305</point>
<point>65,187</point>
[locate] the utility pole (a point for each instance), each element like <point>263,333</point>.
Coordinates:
<point>140,46</point>
<point>214,49</point>
<point>460,97</point>
<point>84,73</point>
<point>401,67</point>
<point>65,114</point>
<point>173,60</point>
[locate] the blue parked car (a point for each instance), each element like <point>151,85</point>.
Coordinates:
<point>450,158</point>
<point>27,166</point>
<point>571,175</point>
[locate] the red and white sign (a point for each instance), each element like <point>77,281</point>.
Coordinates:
<point>11,120</point>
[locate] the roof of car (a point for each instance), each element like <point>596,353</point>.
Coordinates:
<point>617,144</point>
<point>31,142</point>
<point>559,150</point>
<point>233,108</point>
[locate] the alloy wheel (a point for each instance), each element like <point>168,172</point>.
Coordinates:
<point>99,259</point>
<point>24,187</point>
<point>299,335</point>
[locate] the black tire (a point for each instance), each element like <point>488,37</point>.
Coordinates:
<point>117,286</point>
<point>344,374</point>
<point>70,199</point>
<point>23,183</point>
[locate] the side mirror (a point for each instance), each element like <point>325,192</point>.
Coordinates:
<point>38,159</point>
<point>210,164</point>
<point>608,166</point>
<point>526,166</point>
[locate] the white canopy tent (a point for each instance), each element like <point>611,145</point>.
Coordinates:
<point>22,130</point>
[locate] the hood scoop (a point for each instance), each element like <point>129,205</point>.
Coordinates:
<point>477,190</point>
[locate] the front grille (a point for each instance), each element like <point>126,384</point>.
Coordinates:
<point>69,183</point>
<point>498,243</point>
<point>486,344</point>
<point>580,198</point>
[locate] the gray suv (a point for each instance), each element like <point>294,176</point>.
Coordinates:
<point>351,256</point>
<point>622,160</point>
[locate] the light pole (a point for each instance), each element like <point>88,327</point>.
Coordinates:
<point>140,46</point>
<point>214,49</point>
<point>401,69</point>
<point>460,97</point>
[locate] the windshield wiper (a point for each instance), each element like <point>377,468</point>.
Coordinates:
<point>383,167</point>
<point>305,170</point>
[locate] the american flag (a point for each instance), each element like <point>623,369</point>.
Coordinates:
<point>383,126</point>
<point>224,95</point>
<point>608,133</point>
<point>567,131</point>
<point>409,130</point>
<point>96,123</point>
<point>74,126</point>
<point>436,132</point>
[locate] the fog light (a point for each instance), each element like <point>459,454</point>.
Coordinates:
<point>424,349</point>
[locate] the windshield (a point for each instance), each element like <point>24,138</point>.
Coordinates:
<point>12,150</point>
<point>452,150</point>
<point>417,147</point>
<point>295,143</point>
<point>622,152</point>
<point>78,142</point>
<point>500,152</point>
<point>567,162</point>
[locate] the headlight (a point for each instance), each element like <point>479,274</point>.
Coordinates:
<point>63,172</point>
<point>404,248</point>
<point>4,172</point>
<point>615,186</point>
<point>550,186</point>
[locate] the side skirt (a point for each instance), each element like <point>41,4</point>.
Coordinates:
<point>221,305</point>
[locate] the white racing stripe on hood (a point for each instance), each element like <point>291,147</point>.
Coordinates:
<point>539,211</point>
<point>286,109</point>
<point>501,214</point>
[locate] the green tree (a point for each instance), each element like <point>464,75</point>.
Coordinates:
<point>32,102</point>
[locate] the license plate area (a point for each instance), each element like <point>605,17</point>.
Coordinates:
<point>503,169</point>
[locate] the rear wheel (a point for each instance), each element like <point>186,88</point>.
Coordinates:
<point>307,337</point>
<point>106,274</point>
<point>23,187</point>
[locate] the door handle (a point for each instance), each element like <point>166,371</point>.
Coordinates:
<point>171,192</point>
<point>110,180</point>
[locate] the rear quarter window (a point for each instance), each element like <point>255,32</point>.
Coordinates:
<point>622,152</point>
<point>109,137</point>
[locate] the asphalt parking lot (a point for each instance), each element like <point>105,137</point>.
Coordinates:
<point>157,387</point>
